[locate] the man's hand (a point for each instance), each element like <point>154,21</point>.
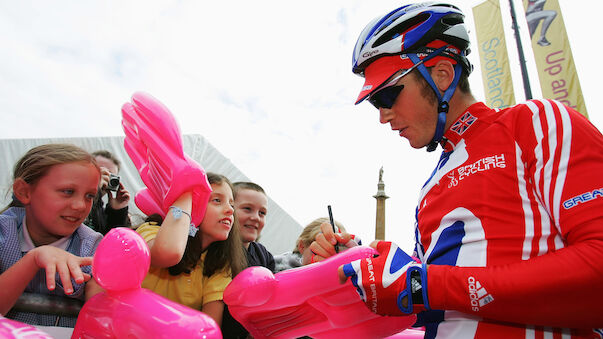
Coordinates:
<point>105,174</point>
<point>324,243</point>
<point>391,283</point>
<point>122,198</point>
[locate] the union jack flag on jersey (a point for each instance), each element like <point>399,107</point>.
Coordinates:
<point>463,123</point>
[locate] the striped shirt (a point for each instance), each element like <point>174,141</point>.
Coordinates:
<point>510,222</point>
<point>83,243</point>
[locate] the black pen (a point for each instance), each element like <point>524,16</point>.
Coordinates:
<point>333,225</point>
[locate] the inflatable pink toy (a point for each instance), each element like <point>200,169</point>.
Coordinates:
<point>308,301</point>
<point>11,329</point>
<point>154,144</point>
<point>408,334</point>
<point>126,310</point>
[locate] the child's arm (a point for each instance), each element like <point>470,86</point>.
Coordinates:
<point>168,247</point>
<point>14,280</point>
<point>92,288</point>
<point>214,309</point>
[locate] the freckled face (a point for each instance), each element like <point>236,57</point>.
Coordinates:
<point>250,208</point>
<point>219,215</point>
<point>60,201</point>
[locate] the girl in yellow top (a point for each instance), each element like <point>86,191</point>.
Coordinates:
<point>194,270</point>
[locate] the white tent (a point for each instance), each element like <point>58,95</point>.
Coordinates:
<point>281,229</point>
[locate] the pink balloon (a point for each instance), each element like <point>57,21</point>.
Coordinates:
<point>154,144</point>
<point>121,260</point>
<point>308,301</point>
<point>11,329</point>
<point>126,310</point>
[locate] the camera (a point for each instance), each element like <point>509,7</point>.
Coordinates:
<point>113,184</point>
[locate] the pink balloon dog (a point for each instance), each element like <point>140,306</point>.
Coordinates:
<point>309,301</point>
<point>126,310</point>
<point>11,329</point>
<point>154,144</point>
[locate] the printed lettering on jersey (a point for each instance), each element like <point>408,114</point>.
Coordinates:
<point>477,294</point>
<point>481,165</point>
<point>582,198</point>
<point>463,123</point>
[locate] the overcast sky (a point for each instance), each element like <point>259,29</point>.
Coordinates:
<point>268,83</point>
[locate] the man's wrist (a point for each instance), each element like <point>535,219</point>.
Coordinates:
<point>416,287</point>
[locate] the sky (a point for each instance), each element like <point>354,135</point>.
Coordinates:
<point>267,82</point>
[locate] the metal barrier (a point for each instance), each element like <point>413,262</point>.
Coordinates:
<point>48,304</point>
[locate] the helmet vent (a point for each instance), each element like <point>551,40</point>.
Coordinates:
<point>452,20</point>
<point>401,28</point>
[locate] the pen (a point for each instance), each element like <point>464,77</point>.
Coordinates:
<point>333,225</point>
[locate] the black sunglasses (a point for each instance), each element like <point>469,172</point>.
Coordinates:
<point>386,97</point>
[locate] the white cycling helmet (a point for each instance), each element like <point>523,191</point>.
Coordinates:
<point>422,34</point>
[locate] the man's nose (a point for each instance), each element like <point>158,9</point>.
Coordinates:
<point>385,115</point>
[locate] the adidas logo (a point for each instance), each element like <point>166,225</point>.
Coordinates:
<point>478,294</point>
<point>415,285</point>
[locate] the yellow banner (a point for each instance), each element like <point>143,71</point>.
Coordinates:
<point>494,60</point>
<point>554,60</point>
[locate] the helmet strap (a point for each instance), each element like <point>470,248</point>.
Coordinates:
<point>443,100</point>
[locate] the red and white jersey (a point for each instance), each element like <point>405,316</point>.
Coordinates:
<point>515,208</point>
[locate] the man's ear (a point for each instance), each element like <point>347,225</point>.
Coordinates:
<point>22,191</point>
<point>443,74</point>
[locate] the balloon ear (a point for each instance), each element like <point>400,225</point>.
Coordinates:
<point>22,191</point>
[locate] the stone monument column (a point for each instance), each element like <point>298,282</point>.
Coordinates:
<point>380,197</point>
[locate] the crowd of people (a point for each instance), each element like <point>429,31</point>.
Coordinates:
<point>64,203</point>
<point>509,226</point>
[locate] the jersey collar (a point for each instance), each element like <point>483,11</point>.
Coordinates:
<point>463,126</point>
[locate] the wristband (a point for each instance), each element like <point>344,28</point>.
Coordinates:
<point>177,213</point>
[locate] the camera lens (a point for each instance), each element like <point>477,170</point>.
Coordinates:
<point>113,182</point>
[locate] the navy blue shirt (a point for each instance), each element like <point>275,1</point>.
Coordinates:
<point>257,255</point>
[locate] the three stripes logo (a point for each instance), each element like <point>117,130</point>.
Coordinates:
<point>478,294</point>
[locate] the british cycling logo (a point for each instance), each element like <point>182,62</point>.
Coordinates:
<point>582,198</point>
<point>481,165</point>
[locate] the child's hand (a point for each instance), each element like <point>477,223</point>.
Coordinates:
<point>55,260</point>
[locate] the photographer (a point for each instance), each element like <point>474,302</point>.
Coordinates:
<point>115,214</point>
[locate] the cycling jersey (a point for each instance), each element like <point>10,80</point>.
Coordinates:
<point>511,225</point>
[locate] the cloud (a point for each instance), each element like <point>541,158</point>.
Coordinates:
<point>266,82</point>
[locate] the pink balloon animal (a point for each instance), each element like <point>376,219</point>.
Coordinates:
<point>11,329</point>
<point>126,310</point>
<point>154,144</point>
<point>309,301</point>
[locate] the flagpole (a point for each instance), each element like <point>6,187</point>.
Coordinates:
<point>522,60</point>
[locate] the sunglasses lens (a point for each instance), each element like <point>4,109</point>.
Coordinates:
<point>386,97</point>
